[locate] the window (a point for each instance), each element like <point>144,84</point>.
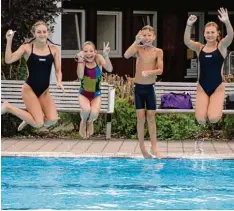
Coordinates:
<point>142,18</point>
<point>109,29</point>
<point>229,61</point>
<point>197,33</point>
<point>193,66</point>
<point>73,32</point>
<point>213,16</point>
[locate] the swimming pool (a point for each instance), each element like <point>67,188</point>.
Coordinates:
<point>116,183</point>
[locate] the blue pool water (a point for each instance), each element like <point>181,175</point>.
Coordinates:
<point>116,183</point>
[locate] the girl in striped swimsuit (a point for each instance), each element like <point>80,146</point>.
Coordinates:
<point>89,71</point>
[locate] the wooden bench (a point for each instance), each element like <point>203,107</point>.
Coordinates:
<point>181,87</point>
<point>66,101</point>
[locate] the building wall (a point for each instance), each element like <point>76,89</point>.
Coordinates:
<point>170,31</point>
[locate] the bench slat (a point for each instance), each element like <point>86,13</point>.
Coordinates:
<point>177,87</point>
<point>54,90</point>
<point>68,109</point>
<point>160,111</point>
<point>11,91</point>
<point>52,83</point>
<point>57,102</point>
<point>65,101</point>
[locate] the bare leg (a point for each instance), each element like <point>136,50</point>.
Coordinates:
<point>49,110</point>
<point>95,109</point>
<point>215,109</point>
<point>140,132</point>
<point>201,106</point>
<point>153,132</point>
<point>34,113</point>
<point>85,112</point>
<point>201,113</point>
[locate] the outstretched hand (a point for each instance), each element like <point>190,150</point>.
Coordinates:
<point>223,15</point>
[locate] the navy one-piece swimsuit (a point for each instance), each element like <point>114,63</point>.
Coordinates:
<point>210,70</point>
<point>39,72</point>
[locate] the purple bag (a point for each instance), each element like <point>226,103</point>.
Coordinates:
<point>176,101</point>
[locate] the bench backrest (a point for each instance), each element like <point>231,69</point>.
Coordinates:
<point>66,101</point>
<point>180,87</point>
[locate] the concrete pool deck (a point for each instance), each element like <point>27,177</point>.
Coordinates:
<point>39,147</point>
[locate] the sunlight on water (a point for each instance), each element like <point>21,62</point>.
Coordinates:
<point>117,183</point>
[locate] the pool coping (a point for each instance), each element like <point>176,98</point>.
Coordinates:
<point>125,148</point>
<point>115,155</point>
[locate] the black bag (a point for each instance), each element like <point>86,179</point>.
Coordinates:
<point>230,102</point>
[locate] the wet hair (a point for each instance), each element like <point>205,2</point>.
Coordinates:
<point>217,28</point>
<point>89,43</point>
<point>40,22</point>
<point>150,28</point>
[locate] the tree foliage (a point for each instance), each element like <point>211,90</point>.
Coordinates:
<point>20,15</point>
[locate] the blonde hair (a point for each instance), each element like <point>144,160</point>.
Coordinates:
<point>89,43</point>
<point>150,28</point>
<point>217,28</point>
<point>40,22</point>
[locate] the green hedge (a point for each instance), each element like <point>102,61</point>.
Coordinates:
<point>169,126</point>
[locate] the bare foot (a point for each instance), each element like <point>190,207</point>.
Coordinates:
<point>4,107</point>
<point>90,129</point>
<point>82,130</point>
<point>22,125</point>
<point>156,153</point>
<point>146,154</point>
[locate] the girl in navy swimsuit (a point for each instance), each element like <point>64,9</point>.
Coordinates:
<point>210,89</point>
<point>40,56</point>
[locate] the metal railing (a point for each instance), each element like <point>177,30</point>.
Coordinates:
<point>231,63</point>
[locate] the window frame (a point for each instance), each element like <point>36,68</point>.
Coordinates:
<point>118,52</point>
<point>201,20</point>
<point>155,19</point>
<point>72,53</point>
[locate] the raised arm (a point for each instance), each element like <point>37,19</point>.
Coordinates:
<point>195,46</point>
<point>131,51</point>
<point>133,48</point>
<point>105,60</point>
<point>9,56</point>
<point>227,40</point>
<point>80,65</point>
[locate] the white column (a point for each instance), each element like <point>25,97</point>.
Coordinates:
<point>56,38</point>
